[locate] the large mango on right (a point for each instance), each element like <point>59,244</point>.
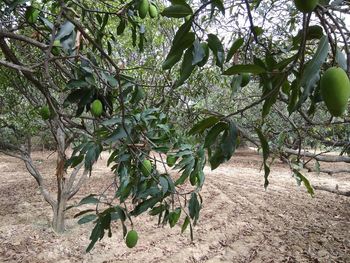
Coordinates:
<point>143,8</point>
<point>335,90</point>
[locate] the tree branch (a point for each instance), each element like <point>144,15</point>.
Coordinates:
<point>334,191</point>
<point>29,40</point>
<point>15,66</point>
<point>321,158</point>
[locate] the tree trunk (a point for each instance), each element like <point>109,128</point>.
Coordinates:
<point>59,210</point>
<point>67,186</point>
<point>58,223</point>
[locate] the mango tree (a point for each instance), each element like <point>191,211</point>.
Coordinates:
<point>133,77</point>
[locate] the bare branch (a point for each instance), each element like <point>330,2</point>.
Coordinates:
<point>334,191</point>
<point>29,40</point>
<point>78,185</point>
<point>321,158</point>
<point>15,66</point>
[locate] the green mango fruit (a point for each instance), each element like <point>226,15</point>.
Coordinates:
<point>96,108</point>
<point>171,160</point>
<point>335,90</point>
<point>206,57</point>
<point>131,239</point>
<point>153,11</point>
<point>306,6</point>
<point>143,8</point>
<point>245,79</point>
<point>45,112</point>
<point>146,167</point>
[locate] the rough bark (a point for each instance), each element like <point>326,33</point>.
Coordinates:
<point>58,221</point>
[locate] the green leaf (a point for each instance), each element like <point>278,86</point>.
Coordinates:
<point>229,140</point>
<point>182,40</point>
<point>213,133</point>
<point>186,68</point>
<point>118,134</point>
<point>341,59</point>
<point>68,42</point>
<point>307,91</point>
<point>235,46</point>
<point>106,218</point>
<point>205,47</point>
<point>311,72</point>
<point>142,207</point>
<point>177,11</point>
<point>92,155</point>
<point>266,152</point>
<point>77,83</point>
<point>86,219</point>
<point>194,207</point>
<point>301,178</point>
<point>235,84</point>
<point>133,36</point>
<point>187,164</point>
<point>90,199</point>
<point>198,52</point>
<point>121,26</point>
<point>258,30</point>
<point>313,67</point>
<point>157,210</point>
<point>99,18</point>
<point>284,63</point>
<point>217,158</point>
<point>174,217</point>
<point>118,213</point>
<point>216,46</point>
<point>96,233</point>
<point>317,167</point>
<point>269,84</point>
<point>227,146</point>
<point>110,79</point>
<point>313,32</point>
<point>31,14</point>
<point>105,21</point>
<point>171,160</point>
<point>74,161</point>
<point>200,178</point>
<point>219,5</point>
<point>141,37</point>
<point>65,30</point>
<point>164,183</point>
<point>237,69</point>
<point>180,34</point>
<point>294,96</point>
<point>83,212</point>
<point>201,126</point>
<point>46,22</point>
<point>185,224</point>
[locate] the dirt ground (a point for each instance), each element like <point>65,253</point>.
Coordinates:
<point>239,221</point>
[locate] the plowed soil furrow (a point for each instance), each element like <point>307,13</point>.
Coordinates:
<point>239,220</point>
